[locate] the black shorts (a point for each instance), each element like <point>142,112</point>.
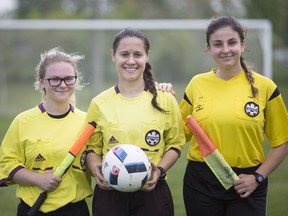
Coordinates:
<point>71,209</point>
<point>155,203</point>
<point>205,196</point>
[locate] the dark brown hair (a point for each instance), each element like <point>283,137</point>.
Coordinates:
<point>224,21</point>
<point>147,75</point>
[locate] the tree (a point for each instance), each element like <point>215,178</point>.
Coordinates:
<point>276,11</point>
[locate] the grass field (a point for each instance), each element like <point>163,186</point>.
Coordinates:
<point>277,195</point>
<point>278,187</point>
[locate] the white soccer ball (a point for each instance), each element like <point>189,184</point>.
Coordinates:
<point>126,168</point>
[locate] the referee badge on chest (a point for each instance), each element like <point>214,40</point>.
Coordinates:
<point>251,109</point>
<point>152,137</point>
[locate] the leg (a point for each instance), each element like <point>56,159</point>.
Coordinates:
<point>158,202</point>
<point>202,192</point>
<point>110,202</point>
<point>258,199</point>
<point>199,204</point>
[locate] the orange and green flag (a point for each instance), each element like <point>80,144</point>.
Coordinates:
<point>211,155</point>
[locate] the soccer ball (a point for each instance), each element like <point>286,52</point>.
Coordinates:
<point>126,168</point>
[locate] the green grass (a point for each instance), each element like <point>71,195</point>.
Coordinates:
<point>278,187</point>
<point>277,195</point>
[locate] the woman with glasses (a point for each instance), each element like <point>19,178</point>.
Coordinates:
<point>38,140</point>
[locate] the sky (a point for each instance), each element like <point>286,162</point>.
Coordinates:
<point>7,5</point>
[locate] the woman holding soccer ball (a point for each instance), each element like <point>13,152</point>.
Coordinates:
<point>135,112</point>
<point>236,107</point>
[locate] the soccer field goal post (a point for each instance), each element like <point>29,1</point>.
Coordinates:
<point>263,26</point>
<point>263,34</point>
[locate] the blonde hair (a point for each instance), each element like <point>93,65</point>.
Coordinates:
<point>57,54</point>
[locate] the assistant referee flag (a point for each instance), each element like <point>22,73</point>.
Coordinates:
<point>211,155</point>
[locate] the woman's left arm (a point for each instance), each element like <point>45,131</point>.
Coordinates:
<point>247,183</point>
<point>168,160</point>
<point>273,159</point>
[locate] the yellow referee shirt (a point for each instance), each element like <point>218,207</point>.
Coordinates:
<point>122,120</point>
<point>233,119</point>
<point>38,142</point>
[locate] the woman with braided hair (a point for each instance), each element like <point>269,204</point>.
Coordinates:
<point>236,107</point>
<point>134,111</point>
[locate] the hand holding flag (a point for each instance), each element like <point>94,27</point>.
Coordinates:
<point>211,155</point>
<point>68,160</point>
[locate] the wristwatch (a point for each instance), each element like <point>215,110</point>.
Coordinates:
<point>162,173</point>
<point>259,177</point>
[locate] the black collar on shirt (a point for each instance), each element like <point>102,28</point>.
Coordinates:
<point>71,108</point>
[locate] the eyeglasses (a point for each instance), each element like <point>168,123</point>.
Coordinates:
<point>56,81</point>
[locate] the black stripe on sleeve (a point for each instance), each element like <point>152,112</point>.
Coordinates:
<point>275,94</point>
<point>185,97</point>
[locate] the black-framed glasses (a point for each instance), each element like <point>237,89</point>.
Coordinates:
<point>56,81</point>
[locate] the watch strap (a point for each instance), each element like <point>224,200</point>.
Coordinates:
<point>259,178</point>
<point>162,173</point>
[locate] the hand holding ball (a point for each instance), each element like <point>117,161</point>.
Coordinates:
<point>126,168</point>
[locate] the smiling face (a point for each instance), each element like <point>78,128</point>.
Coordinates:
<point>225,47</point>
<point>62,93</point>
<point>130,59</point>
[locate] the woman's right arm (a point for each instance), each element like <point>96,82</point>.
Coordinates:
<point>46,181</point>
<point>94,163</point>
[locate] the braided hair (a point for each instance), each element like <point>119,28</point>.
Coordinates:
<point>224,21</point>
<point>147,75</point>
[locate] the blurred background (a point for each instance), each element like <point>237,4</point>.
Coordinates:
<point>176,55</point>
